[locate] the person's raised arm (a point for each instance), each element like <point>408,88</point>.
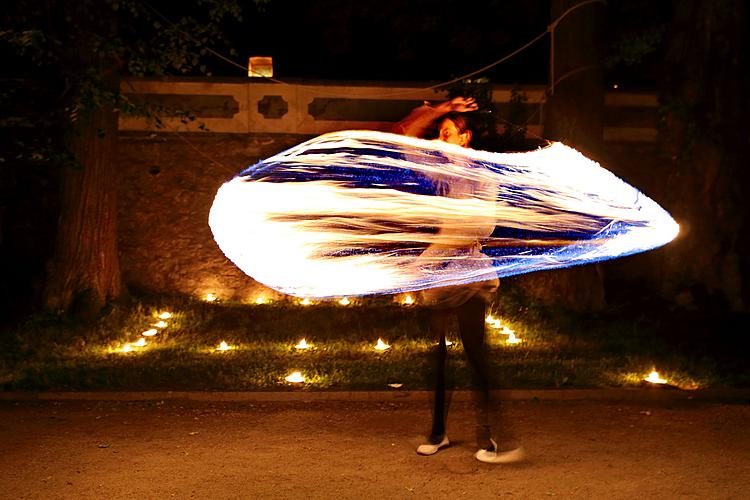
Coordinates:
<point>420,119</point>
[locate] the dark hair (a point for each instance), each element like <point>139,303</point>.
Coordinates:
<point>462,121</point>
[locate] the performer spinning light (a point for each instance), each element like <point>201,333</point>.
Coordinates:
<point>467,302</point>
<point>361,212</point>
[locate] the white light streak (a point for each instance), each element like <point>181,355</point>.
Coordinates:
<point>338,215</point>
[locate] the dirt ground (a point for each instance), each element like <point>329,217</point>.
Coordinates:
<point>162,449</point>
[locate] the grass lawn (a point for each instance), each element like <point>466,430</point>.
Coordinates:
<point>557,349</point>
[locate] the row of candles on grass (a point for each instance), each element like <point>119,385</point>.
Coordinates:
<point>380,345</point>
<point>406,300</point>
<point>161,324</point>
<point>303,344</point>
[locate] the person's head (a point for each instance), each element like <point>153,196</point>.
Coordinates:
<point>454,129</point>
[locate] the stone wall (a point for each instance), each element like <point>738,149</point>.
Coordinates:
<point>167,185</point>
<point>168,177</point>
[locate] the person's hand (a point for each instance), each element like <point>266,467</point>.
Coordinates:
<point>459,105</point>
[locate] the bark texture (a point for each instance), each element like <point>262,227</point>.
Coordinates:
<point>84,272</point>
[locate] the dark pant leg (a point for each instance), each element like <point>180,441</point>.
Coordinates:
<point>471,322</point>
<point>438,325</point>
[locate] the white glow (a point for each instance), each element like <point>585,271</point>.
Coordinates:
<point>260,300</point>
<point>161,324</point>
<point>654,378</point>
<point>127,348</point>
<point>345,301</point>
<point>304,238</point>
<point>512,339</point>
<point>381,346</point>
<point>303,345</point>
<point>141,342</point>
<point>295,378</point>
<point>408,300</point>
<point>165,315</point>
<point>305,302</point>
<point>150,333</point>
<point>223,346</point>
<point>210,297</point>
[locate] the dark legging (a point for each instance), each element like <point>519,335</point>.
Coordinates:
<point>471,324</point>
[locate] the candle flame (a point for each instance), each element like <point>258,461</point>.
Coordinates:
<point>654,378</point>
<point>223,346</point>
<point>150,333</point>
<point>381,346</point>
<point>303,345</point>
<point>408,300</point>
<point>295,378</point>
<point>512,339</point>
<point>345,301</point>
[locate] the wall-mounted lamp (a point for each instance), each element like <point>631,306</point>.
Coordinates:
<point>260,67</point>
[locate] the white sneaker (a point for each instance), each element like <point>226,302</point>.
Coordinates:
<point>502,457</point>
<point>431,449</point>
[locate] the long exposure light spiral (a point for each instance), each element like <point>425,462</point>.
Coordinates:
<point>361,212</point>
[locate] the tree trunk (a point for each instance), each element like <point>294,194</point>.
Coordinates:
<point>84,272</point>
<point>573,115</point>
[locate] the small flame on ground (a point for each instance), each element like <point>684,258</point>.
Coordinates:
<point>210,297</point>
<point>141,342</point>
<point>150,333</point>
<point>127,348</point>
<point>345,301</point>
<point>381,346</point>
<point>305,302</point>
<point>161,324</point>
<point>512,339</point>
<point>654,378</point>
<point>260,300</point>
<point>408,300</point>
<point>223,346</point>
<point>165,315</point>
<point>295,378</point>
<point>489,319</point>
<point>303,345</point>
<point>507,331</point>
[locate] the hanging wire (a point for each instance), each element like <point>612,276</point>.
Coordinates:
<point>550,90</point>
<point>361,95</point>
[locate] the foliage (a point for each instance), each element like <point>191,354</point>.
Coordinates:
<point>65,57</point>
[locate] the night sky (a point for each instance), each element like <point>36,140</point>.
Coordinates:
<point>426,40</point>
<point>391,40</point>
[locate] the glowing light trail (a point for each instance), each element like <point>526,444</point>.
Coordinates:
<point>354,213</point>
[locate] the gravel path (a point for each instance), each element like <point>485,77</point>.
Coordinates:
<point>334,449</point>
